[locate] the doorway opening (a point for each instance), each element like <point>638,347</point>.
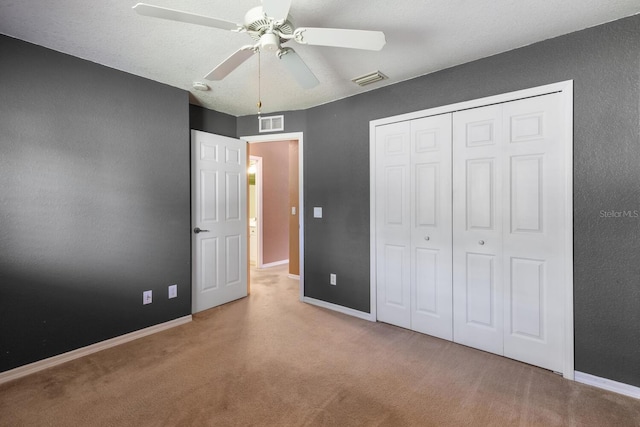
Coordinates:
<point>279,220</point>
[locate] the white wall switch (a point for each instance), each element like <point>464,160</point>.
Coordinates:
<point>147,297</point>
<point>317,212</point>
<point>173,291</point>
<point>293,210</point>
<point>332,279</point>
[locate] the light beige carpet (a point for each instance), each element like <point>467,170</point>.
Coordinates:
<point>270,360</point>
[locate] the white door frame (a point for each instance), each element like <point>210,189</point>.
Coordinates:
<point>258,186</point>
<point>566,89</point>
<point>250,139</point>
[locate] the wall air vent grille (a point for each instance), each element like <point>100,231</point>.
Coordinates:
<point>370,78</point>
<point>271,123</point>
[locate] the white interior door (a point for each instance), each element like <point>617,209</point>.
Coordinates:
<point>431,292</point>
<point>393,224</point>
<point>219,218</point>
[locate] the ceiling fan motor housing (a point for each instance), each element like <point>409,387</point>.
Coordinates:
<point>260,27</point>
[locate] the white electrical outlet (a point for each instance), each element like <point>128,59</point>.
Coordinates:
<point>173,291</point>
<point>147,297</point>
<point>332,279</point>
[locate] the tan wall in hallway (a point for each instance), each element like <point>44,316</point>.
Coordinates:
<point>275,199</point>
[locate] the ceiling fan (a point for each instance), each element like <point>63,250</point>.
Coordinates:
<point>271,26</point>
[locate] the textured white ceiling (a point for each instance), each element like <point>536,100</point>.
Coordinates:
<point>422,36</point>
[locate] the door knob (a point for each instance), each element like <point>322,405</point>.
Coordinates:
<point>481,242</point>
<point>199,230</point>
<point>426,238</point>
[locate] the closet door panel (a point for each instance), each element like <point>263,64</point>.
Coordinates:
<point>393,224</point>
<point>477,228</point>
<point>426,286</point>
<point>431,294</point>
<point>480,289</point>
<point>534,237</point>
<point>480,187</point>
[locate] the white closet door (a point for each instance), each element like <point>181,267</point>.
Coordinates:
<point>508,229</point>
<point>431,295</point>
<point>477,228</point>
<point>533,208</point>
<point>393,224</point>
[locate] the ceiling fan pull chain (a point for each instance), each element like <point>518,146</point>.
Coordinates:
<point>259,88</point>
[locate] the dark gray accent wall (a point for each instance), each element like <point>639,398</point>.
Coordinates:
<point>212,121</point>
<point>604,63</point>
<point>94,203</point>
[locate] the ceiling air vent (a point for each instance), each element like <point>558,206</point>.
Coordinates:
<point>367,79</point>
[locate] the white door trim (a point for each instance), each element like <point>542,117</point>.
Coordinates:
<point>258,186</point>
<point>250,139</point>
<point>566,89</point>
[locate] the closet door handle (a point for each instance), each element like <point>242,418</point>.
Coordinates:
<point>481,242</point>
<point>199,230</point>
<point>426,238</point>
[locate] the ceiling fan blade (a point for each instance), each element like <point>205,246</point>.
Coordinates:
<point>276,9</point>
<point>354,39</point>
<point>223,69</point>
<point>176,15</point>
<point>298,68</point>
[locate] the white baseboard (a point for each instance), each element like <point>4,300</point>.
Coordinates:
<point>335,307</point>
<point>274,264</point>
<point>50,362</point>
<point>616,387</point>
<point>293,276</point>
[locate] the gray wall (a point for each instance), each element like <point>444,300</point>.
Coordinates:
<point>212,121</point>
<point>604,63</point>
<point>94,203</point>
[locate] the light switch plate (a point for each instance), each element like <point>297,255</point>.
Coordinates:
<point>317,212</point>
<point>173,291</point>
<point>147,297</point>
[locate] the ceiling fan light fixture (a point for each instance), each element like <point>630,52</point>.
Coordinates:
<point>270,42</point>
<point>370,78</point>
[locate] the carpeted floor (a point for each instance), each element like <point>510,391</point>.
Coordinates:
<point>270,360</point>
